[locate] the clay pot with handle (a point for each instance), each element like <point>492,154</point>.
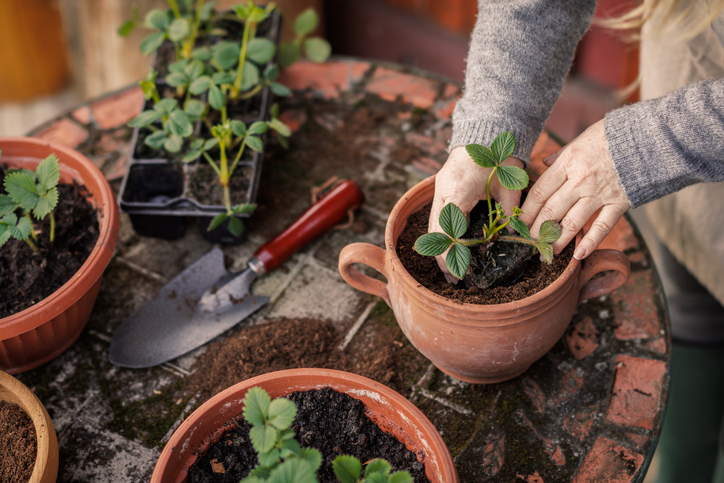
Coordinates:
<point>482,344</point>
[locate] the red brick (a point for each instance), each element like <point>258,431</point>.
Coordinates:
<point>325,80</point>
<point>112,142</point>
<point>534,478</point>
<point>429,145</point>
<point>64,132</point>
<point>358,70</point>
<point>444,109</point>
<point>656,345</point>
<point>82,114</point>
<point>116,170</point>
<point>535,393</point>
<point>608,462</point>
<point>634,309</point>
<point>427,165</point>
<point>118,109</point>
<point>636,391</point>
<point>390,84</point>
<point>450,90</point>
<point>639,439</point>
<point>579,424</point>
<point>293,118</point>
<point>583,340</point>
<point>637,257</point>
<point>571,382</point>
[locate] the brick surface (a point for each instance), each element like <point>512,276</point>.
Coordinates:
<point>293,118</point>
<point>534,478</point>
<point>639,439</point>
<point>583,339</point>
<point>427,165</point>
<point>390,84</point>
<point>82,114</point>
<point>579,423</point>
<point>656,345</point>
<point>118,109</point>
<point>549,447</point>
<point>450,90</point>
<point>426,144</point>
<point>571,382</point>
<point>634,308</point>
<point>327,80</point>
<point>609,462</point>
<point>533,390</point>
<point>444,109</point>
<point>64,132</point>
<point>636,391</point>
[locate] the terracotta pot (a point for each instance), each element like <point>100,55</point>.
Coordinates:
<point>43,331</point>
<point>481,344</point>
<point>392,413</point>
<point>46,461</point>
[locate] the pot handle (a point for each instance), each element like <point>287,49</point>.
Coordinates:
<point>367,254</point>
<point>601,261</point>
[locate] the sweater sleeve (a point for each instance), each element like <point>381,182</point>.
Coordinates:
<point>662,145</point>
<point>519,53</point>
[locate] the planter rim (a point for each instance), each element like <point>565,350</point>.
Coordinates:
<point>108,227</point>
<point>548,292</point>
<point>308,379</point>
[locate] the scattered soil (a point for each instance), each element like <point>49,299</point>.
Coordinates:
<point>18,444</point>
<point>205,188</point>
<point>327,420</point>
<point>425,270</point>
<point>27,278</point>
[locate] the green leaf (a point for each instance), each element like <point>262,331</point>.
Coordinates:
<point>21,231</point>
<point>235,226</point>
<point>376,478</point>
<point>289,447</point>
<point>173,144</point>
<point>519,226</point>
<point>400,477</point>
<point>260,50</point>
<point>217,99</point>
<point>226,54</point>
<point>458,260</point>
<point>152,42</point>
<point>512,177</point>
<point>149,88</point>
<point>242,11</point>
<point>281,413</point>
<point>481,155</point>
<point>293,470</point>
<point>179,66</point>
<point>262,437</point>
<point>250,76</point>
<point>280,90</point>
<point>156,139</point>
<point>545,250</point>
<point>312,456</point>
<point>211,143</point>
<point>270,458</point>
<point>180,124</point>
<point>255,143</point>
<point>157,19</point>
<point>165,106</point>
<point>21,188</point>
<point>45,204</point>
<point>218,220</point>
<point>176,79</point>
<point>271,72</point>
<point>194,69</point>
<point>194,107</point>
<point>317,49</point>
<point>179,29</point>
<point>223,78</point>
<point>347,468</point>
<point>238,128</point>
<point>7,205</point>
<point>306,22</point>
<point>289,53</point>
<point>452,221</point>
<point>503,145</point>
<point>432,244</point>
<point>145,118</point>
<point>274,110</point>
<point>280,127</point>
<point>4,233</point>
<point>126,28</point>
<point>192,155</point>
<point>256,405</point>
<point>259,127</point>
<point>48,172</point>
<point>549,232</point>
<point>200,85</point>
<point>377,466</point>
<point>202,53</point>
<point>244,208</point>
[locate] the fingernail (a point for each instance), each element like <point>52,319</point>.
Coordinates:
<point>580,253</point>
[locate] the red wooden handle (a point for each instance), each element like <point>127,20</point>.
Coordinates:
<point>318,219</point>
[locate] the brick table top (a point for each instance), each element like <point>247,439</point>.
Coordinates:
<point>589,411</point>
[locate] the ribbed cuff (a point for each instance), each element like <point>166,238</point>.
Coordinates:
<point>485,132</point>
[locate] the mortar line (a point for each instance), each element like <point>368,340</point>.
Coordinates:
<point>446,403</point>
<point>355,328</point>
<point>143,271</point>
<point>180,419</point>
<point>171,370</point>
<point>293,273</point>
<point>425,377</point>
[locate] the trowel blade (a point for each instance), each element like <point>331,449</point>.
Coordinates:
<point>174,323</point>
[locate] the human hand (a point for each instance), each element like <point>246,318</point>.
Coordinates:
<point>580,181</point>
<point>462,182</point>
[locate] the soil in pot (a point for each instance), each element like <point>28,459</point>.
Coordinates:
<point>18,444</point>
<point>330,421</point>
<point>204,185</point>
<point>27,278</point>
<point>536,276</point>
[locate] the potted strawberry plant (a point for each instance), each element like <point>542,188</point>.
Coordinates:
<point>479,343</point>
<point>59,225</point>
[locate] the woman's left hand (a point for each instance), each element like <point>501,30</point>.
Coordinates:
<point>580,181</point>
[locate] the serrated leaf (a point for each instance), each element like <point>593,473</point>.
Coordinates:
<point>312,456</point>
<point>512,177</point>
<point>452,221</point>
<point>200,85</point>
<point>194,107</point>
<point>194,69</point>
<point>180,124</point>
<point>223,78</point>
<point>192,155</point>
<point>545,250</point>
<point>260,50</point>
<point>173,143</point>
<point>165,106</point>
<point>201,53</point>
<point>280,127</point>
<point>226,54</point>
<point>7,205</point>
<point>481,155</point>
<point>255,143</point>
<point>157,19</point>
<point>376,478</point>
<point>179,29</point>
<point>503,145</point>
<point>520,227</point>
<point>48,172</point>
<point>281,413</point>
<point>145,118</point>
<point>22,229</point>
<point>126,28</point>
<point>347,468</point>
<point>238,128</point>
<point>218,220</point>
<point>432,244</point>
<point>549,232</point>
<point>458,260</point>
<point>306,22</point>
<point>317,49</point>
<point>46,203</point>
<point>280,90</point>
<point>377,466</point>
<point>176,79</point>
<point>4,234</point>
<point>152,42</point>
<point>259,127</point>
<point>289,447</point>
<point>179,66</point>
<point>156,140</point>
<point>217,99</point>
<point>262,438</point>
<point>293,470</point>
<point>289,53</point>
<point>256,403</point>
<point>250,76</point>
<point>22,190</point>
<point>400,477</point>
<point>235,226</point>
<point>270,458</point>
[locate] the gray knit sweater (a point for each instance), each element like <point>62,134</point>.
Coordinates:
<point>519,54</point>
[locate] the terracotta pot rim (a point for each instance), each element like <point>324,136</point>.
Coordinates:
<point>108,223</point>
<point>570,271</point>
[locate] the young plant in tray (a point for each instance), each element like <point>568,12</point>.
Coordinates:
<point>282,460</point>
<point>453,222</point>
<point>315,49</point>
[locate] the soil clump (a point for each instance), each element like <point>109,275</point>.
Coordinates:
<point>18,444</point>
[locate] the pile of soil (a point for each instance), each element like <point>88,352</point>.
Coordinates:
<point>27,278</point>
<point>537,276</point>
<point>327,420</point>
<point>18,444</point>
<point>204,185</point>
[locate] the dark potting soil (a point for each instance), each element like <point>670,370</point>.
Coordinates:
<point>537,276</point>
<point>204,185</point>
<point>330,421</point>
<point>27,278</point>
<point>18,444</point>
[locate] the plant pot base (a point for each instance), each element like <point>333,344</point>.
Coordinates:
<point>482,380</point>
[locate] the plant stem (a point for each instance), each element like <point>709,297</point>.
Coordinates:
<point>188,45</point>
<point>251,93</point>
<point>35,249</point>
<point>32,230</point>
<point>238,157</point>
<point>52,227</point>
<point>224,175</point>
<point>213,164</point>
<point>518,239</point>
<point>490,203</point>
<point>242,59</point>
<point>174,8</point>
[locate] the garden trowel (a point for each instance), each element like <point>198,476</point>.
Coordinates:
<point>205,299</point>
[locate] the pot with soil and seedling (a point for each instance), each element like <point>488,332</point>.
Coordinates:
<point>478,342</point>
<point>58,229</point>
<point>271,440</point>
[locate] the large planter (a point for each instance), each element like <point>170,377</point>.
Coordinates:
<point>481,344</point>
<point>46,459</point>
<point>43,331</point>
<point>392,413</point>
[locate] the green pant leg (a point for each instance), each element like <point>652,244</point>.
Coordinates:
<point>689,442</point>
